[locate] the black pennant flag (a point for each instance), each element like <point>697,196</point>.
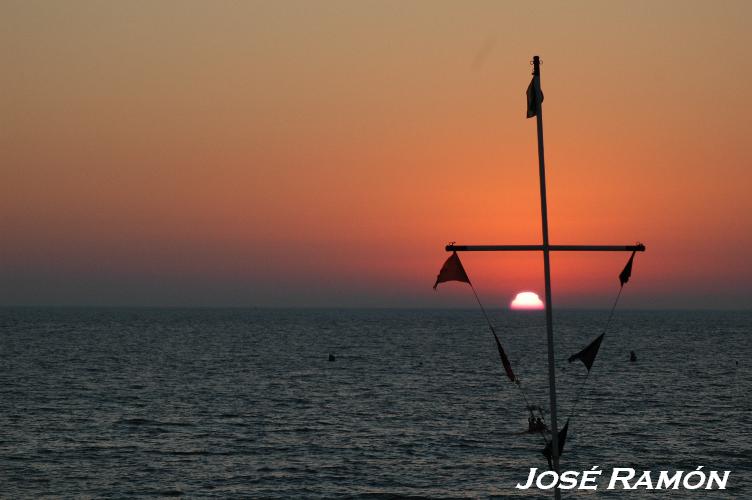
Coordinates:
<point>562,440</point>
<point>452,270</point>
<point>504,359</point>
<point>587,355</point>
<point>627,271</point>
<point>534,99</point>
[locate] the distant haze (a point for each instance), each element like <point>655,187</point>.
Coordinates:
<point>323,153</point>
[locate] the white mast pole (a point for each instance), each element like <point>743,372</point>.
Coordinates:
<point>546,272</point>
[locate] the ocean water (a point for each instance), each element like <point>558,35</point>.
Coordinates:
<point>244,403</point>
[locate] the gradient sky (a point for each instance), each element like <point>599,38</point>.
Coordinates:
<point>323,153</point>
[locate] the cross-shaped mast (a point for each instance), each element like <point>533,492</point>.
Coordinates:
<point>535,109</point>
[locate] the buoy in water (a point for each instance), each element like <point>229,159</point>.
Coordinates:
<point>331,357</point>
<point>632,356</point>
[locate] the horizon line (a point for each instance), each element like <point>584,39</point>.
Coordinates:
<point>374,308</point>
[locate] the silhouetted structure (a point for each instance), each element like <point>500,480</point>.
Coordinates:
<point>534,109</point>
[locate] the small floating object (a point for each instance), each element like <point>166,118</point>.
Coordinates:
<point>632,356</point>
<point>331,357</point>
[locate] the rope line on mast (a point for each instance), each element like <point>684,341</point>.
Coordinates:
<point>517,382</point>
<point>587,376</point>
<point>454,271</point>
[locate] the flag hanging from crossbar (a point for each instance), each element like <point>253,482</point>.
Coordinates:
<point>452,270</point>
<point>627,271</point>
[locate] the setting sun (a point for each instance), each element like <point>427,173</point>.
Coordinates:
<point>527,301</point>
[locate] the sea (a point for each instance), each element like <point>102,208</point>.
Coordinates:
<point>245,403</point>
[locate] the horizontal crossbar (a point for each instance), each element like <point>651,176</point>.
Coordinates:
<point>552,248</point>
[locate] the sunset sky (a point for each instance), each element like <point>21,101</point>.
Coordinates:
<point>323,153</point>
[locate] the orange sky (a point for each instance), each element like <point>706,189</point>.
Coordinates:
<point>322,153</point>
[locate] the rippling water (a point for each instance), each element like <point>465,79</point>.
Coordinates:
<point>228,403</point>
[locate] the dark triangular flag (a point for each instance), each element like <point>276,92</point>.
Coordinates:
<point>504,359</point>
<point>534,99</point>
<point>587,355</point>
<point>452,270</point>
<point>562,440</point>
<point>627,271</point>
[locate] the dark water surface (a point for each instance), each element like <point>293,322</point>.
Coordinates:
<point>244,403</point>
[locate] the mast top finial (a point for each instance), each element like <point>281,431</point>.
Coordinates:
<point>536,66</point>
